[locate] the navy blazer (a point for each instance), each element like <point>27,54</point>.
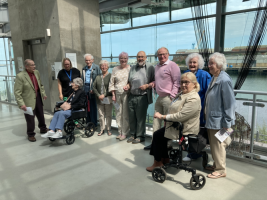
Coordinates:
<point>220,106</point>
<point>203,78</point>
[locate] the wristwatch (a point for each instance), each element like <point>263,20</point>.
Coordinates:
<point>161,116</point>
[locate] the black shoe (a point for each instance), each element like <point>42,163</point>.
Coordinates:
<point>147,147</point>
<point>138,140</point>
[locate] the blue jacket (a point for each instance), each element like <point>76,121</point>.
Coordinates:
<point>220,107</point>
<point>203,78</point>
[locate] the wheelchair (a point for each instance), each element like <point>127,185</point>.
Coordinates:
<point>69,125</point>
<point>197,180</point>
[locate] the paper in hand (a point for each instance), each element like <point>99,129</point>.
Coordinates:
<point>222,134</point>
<point>105,101</point>
<point>117,106</point>
<point>28,111</point>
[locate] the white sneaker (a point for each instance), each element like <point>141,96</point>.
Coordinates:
<point>57,135</point>
<point>186,159</point>
<point>50,133</point>
<point>45,135</point>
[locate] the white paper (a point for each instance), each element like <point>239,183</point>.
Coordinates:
<point>58,67</point>
<point>28,111</point>
<point>117,106</point>
<point>20,63</point>
<point>73,59</point>
<point>222,134</point>
<point>105,101</point>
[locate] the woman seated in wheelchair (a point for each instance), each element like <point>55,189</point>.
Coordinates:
<point>185,108</point>
<point>76,101</point>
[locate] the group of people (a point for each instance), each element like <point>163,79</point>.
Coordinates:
<point>195,99</point>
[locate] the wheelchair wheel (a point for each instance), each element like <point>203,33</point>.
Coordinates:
<point>173,154</point>
<point>69,126</point>
<point>70,139</point>
<point>205,159</point>
<point>159,175</point>
<point>197,182</point>
<point>89,129</point>
<point>52,139</point>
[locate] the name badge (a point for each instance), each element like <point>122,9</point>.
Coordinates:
<point>70,84</point>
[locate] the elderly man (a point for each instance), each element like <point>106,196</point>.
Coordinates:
<point>167,84</point>
<point>141,77</point>
<point>29,92</point>
<point>89,74</point>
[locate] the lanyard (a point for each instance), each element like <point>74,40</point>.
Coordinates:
<point>70,74</point>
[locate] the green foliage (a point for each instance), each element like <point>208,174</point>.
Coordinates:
<point>262,133</point>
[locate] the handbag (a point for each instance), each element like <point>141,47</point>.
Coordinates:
<point>66,105</point>
<point>198,142</point>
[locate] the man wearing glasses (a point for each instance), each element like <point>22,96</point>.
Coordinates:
<point>141,76</point>
<point>167,84</point>
<point>29,92</point>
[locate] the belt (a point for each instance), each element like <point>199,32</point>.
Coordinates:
<point>87,84</point>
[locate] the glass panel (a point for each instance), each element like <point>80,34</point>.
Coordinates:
<point>183,10</point>
<point>260,136</point>
<point>234,5</point>
<point>6,89</point>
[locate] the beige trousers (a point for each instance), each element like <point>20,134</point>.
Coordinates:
<point>218,151</point>
<point>162,106</point>
<point>122,117</point>
<point>105,112</point>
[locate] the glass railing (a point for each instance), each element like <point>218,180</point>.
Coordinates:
<point>7,89</point>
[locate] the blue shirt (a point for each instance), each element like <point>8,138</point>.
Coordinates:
<point>88,75</point>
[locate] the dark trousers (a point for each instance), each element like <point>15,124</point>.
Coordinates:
<point>39,113</point>
<point>92,115</point>
<point>137,106</point>
<point>159,145</point>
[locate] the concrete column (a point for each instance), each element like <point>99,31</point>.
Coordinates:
<point>74,26</point>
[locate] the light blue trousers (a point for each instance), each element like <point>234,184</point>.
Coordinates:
<point>59,119</point>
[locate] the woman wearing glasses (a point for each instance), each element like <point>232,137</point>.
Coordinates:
<point>185,108</point>
<point>119,79</point>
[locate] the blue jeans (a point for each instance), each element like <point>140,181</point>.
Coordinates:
<point>59,119</point>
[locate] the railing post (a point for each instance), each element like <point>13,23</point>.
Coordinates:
<point>257,136</point>
<point>253,120</point>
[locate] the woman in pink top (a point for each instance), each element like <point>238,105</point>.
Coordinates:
<point>119,79</point>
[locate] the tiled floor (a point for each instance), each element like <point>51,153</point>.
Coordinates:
<point>103,168</point>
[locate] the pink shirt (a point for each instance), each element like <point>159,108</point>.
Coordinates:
<point>167,79</point>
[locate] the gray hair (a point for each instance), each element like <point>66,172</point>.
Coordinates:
<point>220,60</point>
<point>163,48</point>
<point>103,62</point>
<point>92,57</point>
<point>78,82</point>
<point>195,55</point>
<point>26,62</point>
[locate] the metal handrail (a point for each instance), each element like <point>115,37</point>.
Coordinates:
<point>7,76</point>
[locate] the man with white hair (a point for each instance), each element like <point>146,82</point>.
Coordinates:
<point>89,74</point>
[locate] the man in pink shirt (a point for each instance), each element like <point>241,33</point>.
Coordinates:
<point>167,84</point>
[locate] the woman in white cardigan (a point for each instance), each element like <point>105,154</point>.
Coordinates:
<point>185,108</point>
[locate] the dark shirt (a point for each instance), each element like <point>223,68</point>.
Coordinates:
<point>34,80</point>
<point>65,80</point>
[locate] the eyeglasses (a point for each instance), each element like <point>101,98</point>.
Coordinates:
<point>162,54</point>
<point>140,56</point>
<point>185,82</point>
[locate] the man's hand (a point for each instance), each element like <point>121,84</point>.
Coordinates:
<point>101,97</point>
<point>45,97</point>
<point>91,92</point>
<point>144,87</point>
<point>23,108</point>
<point>126,87</point>
<point>61,97</point>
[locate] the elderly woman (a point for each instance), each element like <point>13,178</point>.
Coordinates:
<point>119,79</point>
<point>195,63</point>
<point>185,108</point>
<point>219,112</point>
<point>65,77</point>
<point>76,102</point>
<point>103,97</point>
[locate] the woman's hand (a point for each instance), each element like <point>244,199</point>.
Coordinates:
<point>101,97</point>
<point>157,115</point>
<point>126,87</point>
<point>61,97</point>
<point>114,98</point>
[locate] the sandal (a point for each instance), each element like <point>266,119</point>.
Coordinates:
<point>210,167</point>
<point>109,133</point>
<point>100,133</point>
<point>213,176</point>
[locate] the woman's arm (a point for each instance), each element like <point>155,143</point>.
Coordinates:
<point>59,89</point>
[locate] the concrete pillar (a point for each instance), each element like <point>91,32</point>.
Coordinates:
<point>74,26</point>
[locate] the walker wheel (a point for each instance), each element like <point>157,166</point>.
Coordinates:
<point>197,182</point>
<point>89,129</point>
<point>52,139</point>
<point>205,159</point>
<point>159,175</point>
<point>173,154</point>
<point>70,139</point>
<point>69,126</point>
